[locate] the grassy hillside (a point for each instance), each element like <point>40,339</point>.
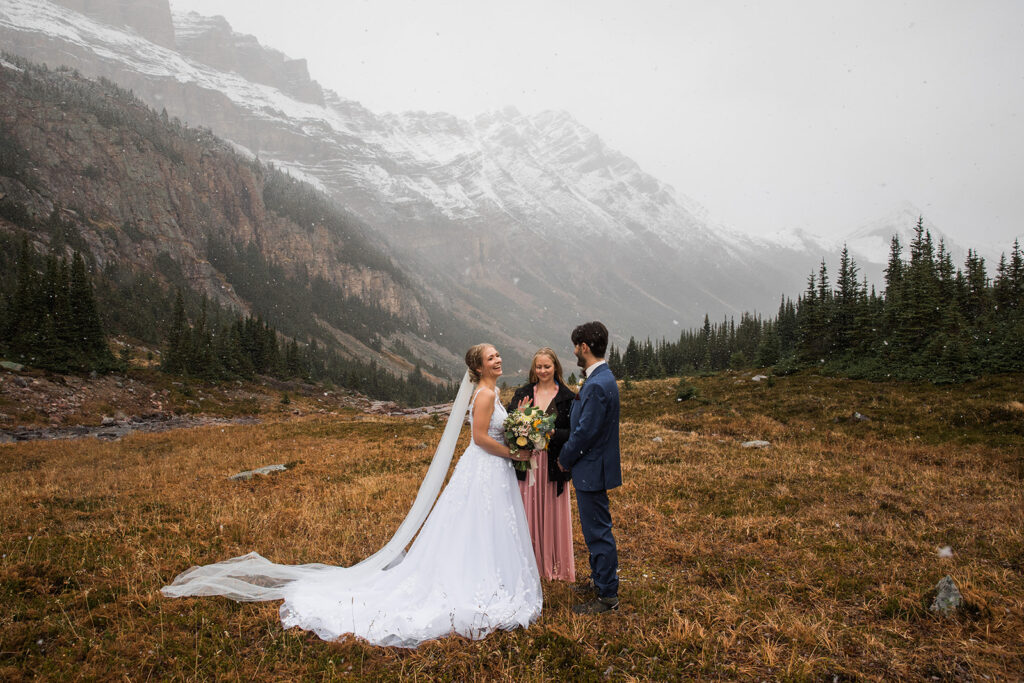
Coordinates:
<point>811,559</point>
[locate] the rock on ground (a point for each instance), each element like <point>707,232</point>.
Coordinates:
<point>947,598</point>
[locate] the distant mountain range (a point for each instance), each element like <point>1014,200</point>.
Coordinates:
<point>518,225</point>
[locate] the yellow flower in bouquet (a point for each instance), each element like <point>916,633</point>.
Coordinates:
<point>526,426</point>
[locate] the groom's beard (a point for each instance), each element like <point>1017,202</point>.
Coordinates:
<point>579,360</point>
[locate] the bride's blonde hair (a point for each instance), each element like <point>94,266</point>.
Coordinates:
<point>550,353</point>
<point>475,360</point>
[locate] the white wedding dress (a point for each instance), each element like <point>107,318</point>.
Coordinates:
<point>470,570</point>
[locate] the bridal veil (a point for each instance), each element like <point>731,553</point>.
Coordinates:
<point>252,577</point>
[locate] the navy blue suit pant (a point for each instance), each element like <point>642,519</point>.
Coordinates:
<point>596,524</point>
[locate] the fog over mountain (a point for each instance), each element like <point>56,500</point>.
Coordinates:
<point>526,223</point>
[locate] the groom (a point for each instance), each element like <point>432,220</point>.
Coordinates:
<point>592,456</point>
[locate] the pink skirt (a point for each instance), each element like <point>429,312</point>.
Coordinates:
<point>550,520</point>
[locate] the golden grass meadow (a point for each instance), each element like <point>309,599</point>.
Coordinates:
<point>812,559</point>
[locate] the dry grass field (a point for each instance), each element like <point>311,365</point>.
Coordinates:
<point>811,559</point>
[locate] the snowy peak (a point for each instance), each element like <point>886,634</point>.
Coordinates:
<point>872,241</point>
<point>211,41</point>
<point>607,191</point>
<point>543,174</point>
<point>453,196</point>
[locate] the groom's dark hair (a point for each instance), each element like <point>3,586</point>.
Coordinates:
<point>594,335</point>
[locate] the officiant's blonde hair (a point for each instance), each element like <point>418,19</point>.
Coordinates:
<point>550,353</point>
<point>475,359</point>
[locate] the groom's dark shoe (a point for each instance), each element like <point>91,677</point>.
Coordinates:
<point>598,606</point>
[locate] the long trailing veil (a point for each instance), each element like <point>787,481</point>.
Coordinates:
<point>252,577</point>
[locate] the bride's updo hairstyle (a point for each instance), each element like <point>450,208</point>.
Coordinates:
<point>475,360</point>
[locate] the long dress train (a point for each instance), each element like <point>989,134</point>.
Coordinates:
<point>471,569</point>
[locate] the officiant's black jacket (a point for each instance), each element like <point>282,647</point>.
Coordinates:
<point>562,405</point>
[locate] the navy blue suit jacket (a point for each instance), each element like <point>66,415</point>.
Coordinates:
<point>592,451</point>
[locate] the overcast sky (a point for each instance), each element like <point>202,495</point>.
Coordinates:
<point>820,115</point>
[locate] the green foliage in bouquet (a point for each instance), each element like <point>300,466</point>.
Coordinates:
<point>528,428</point>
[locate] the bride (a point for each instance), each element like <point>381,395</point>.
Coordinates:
<point>471,569</point>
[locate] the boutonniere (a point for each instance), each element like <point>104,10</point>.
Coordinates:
<point>579,387</point>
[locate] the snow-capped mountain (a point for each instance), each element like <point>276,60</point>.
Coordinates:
<point>528,222</point>
<point>871,241</point>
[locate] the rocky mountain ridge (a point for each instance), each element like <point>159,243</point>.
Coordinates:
<point>465,203</point>
<point>521,223</point>
<point>88,165</point>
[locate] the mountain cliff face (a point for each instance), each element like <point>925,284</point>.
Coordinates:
<point>136,188</point>
<point>210,40</point>
<point>151,19</point>
<point>523,224</point>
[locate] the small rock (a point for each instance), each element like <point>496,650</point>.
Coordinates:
<point>755,444</point>
<point>249,474</point>
<point>14,367</point>
<point>860,418</point>
<point>758,378</point>
<point>20,382</point>
<point>945,551</point>
<point>948,598</point>
<point>108,421</point>
<point>657,439</point>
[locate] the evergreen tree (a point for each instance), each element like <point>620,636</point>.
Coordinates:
<point>705,345</point>
<point>977,295</point>
<point>85,319</point>
<point>177,355</point>
<point>846,302</point>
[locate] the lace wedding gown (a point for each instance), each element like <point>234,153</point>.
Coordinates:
<point>471,569</point>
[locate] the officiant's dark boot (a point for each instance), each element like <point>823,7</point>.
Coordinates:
<point>598,605</point>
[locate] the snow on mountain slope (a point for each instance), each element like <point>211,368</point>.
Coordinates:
<point>547,171</point>
<point>144,57</point>
<point>459,196</point>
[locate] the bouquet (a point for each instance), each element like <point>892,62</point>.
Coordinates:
<point>528,427</point>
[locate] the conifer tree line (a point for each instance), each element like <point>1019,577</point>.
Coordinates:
<point>210,341</point>
<point>50,318</point>
<point>933,322</point>
<point>245,346</point>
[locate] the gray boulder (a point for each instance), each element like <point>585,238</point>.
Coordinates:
<point>249,474</point>
<point>947,596</point>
